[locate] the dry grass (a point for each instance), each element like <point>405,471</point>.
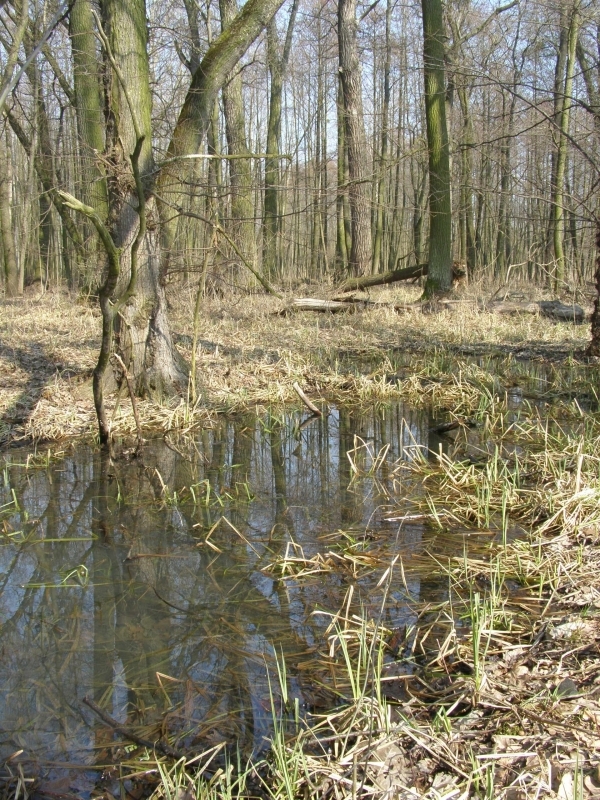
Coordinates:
<point>494,691</point>
<point>250,355</point>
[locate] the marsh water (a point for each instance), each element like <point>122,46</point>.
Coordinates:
<point>145,583</point>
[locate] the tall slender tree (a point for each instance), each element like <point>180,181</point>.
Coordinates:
<point>563,124</point>
<point>132,296</point>
<point>439,276</point>
<point>355,140</point>
<point>277,59</point>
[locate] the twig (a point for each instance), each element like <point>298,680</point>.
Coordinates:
<point>136,416</point>
<point>308,403</point>
<point>164,748</point>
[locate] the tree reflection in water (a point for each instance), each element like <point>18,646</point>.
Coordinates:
<point>158,627</point>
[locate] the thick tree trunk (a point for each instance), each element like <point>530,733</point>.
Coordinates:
<point>240,169</point>
<point>343,235</point>
<point>141,327</point>
<point>90,128</point>
<point>11,270</point>
<point>356,141</point>
<point>88,104</point>
<point>439,277</point>
<point>277,63</point>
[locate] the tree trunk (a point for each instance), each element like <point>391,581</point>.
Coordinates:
<point>277,68</point>
<point>240,169</point>
<point>90,128</point>
<point>343,237</point>
<point>356,141</point>
<point>141,327</point>
<point>592,85</point>
<point>558,101</point>
<point>439,277</point>
<point>558,212</point>
<point>11,271</point>
<point>594,345</point>
<point>468,253</point>
<point>383,166</point>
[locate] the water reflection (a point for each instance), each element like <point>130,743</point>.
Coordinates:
<point>140,584</point>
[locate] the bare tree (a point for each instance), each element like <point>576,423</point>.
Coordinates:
<point>439,276</point>
<point>359,193</point>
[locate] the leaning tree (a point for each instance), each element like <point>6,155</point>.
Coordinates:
<point>143,197</point>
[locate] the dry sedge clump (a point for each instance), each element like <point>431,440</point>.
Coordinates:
<point>492,693</point>
<point>249,354</point>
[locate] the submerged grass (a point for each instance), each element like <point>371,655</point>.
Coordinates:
<point>494,691</point>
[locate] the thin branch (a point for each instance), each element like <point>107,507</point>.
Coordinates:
<point>60,76</point>
<point>215,225</point>
<point>219,156</point>
<point>13,53</point>
<point>63,10</point>
<point>113,252</point>
<point>496,12</point>
<point>308,403</point>
<point>164,748</point>
<point>368,11</point>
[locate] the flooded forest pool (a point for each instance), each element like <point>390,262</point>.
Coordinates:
<point>145,584</point>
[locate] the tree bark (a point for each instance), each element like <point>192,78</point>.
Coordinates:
<point>356,141</point>
<point>277,63</point>
<point>558,214</point>
<point>383,167</point>
<point>240,170</point>
<point>594,346</point>
<point>592,85</point>
<point>343,235</point>
<point>439,277</point>
<point>90,128</point>
<point>141,327</point>
<point>11,271</point>
<point>88,104</point>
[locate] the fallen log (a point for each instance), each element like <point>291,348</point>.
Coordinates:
<point>503,307</point>
<point>382,278</point>
<point>308,403</point>
<point>334,306</point>
<point>553,309</point>
<point>314,304</point>
<point>557,310</point>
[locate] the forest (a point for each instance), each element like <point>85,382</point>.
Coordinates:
<point>289,142</point>
<point>299,399</point>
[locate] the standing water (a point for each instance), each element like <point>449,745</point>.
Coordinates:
<point>144,584</point>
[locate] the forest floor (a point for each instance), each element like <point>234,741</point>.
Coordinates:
<point>250,354</point>
<point>494,692</point>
